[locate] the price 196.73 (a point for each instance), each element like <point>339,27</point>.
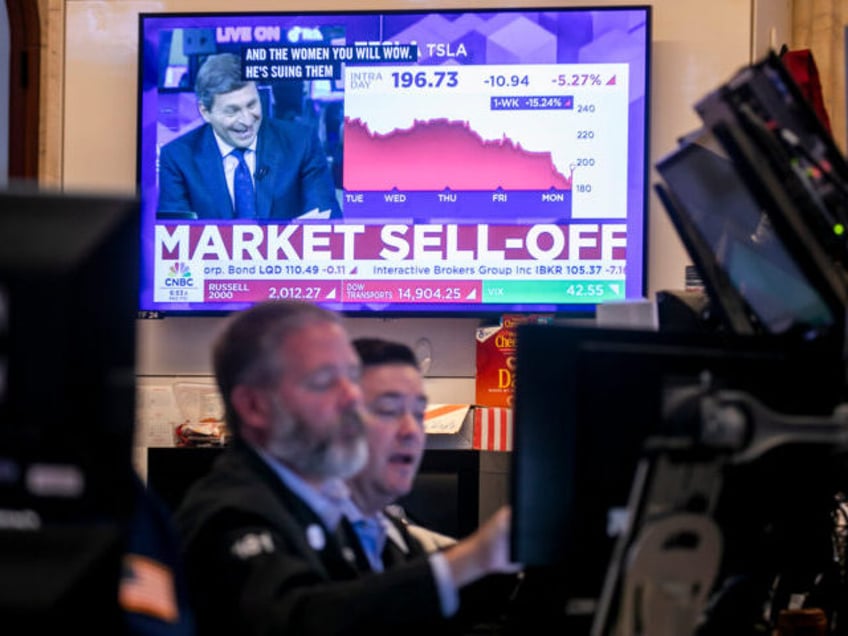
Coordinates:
<point>425,79</point>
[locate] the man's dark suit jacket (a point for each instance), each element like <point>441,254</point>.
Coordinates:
<point>260,561</point>
<point>292,175</point>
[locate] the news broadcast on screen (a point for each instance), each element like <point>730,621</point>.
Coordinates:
<point>477,162</point>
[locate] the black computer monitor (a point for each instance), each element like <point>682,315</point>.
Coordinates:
<point>783,136</point>
<point>750,274</point>
<point>68,299</point>
<point>760,198</point>
<point>588,398</point>
<point>68,275</point>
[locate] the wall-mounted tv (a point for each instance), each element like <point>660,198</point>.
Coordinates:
<point>454,162</point>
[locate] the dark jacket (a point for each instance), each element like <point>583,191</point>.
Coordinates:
<point>292,174</point>
<point>260,561</point>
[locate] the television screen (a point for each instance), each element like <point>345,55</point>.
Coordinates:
<point>443,162</point>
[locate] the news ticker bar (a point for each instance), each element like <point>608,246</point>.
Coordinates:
<point>413,291</point>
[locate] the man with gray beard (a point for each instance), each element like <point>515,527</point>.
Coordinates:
<point>268,545</point>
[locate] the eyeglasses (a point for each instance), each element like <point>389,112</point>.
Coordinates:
<point>394,406</point>
<point>328,378</point>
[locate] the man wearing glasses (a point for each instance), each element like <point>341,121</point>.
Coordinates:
<point>268,533</point>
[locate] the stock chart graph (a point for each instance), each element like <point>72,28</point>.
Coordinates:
<point>547,128</point>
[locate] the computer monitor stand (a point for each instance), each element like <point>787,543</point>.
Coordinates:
<point>670,549</point>
<point>667,558</point>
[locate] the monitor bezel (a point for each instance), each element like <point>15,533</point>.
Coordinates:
<point>487,311</point>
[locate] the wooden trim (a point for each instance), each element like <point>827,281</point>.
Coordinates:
<point>24,83</point>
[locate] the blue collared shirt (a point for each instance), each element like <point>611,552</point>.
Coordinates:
<point>333,501</point>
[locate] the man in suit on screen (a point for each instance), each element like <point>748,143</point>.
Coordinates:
<point>240,165</point>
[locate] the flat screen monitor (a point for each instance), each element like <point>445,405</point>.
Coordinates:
<point>463,162</point>
<point>68,304</point>
<point>751,276</point>
<point>784,137</point>
<point>68,301</point>
<point>587,398</point>
<point>759,198</point>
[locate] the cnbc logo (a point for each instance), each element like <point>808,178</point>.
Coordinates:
<point>179,275</point>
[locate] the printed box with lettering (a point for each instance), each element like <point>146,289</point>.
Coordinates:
<point>495,381</point>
